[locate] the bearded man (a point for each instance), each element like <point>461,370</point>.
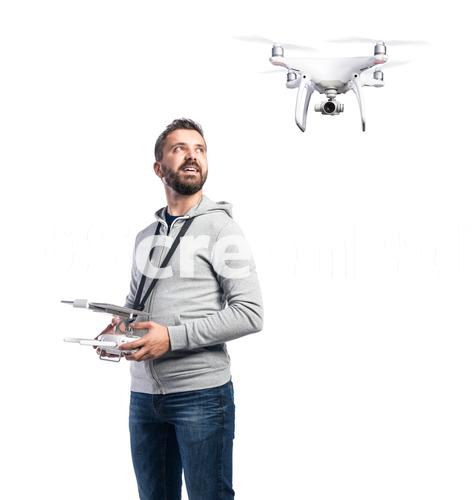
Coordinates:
<point>182,412</point>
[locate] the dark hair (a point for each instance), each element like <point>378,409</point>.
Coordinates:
<point>180,123</point>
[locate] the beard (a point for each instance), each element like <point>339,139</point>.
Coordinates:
<point>182,183</point>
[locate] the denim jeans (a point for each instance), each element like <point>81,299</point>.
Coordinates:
<point>191,430</point>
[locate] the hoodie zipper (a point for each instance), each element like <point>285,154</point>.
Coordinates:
<point>153,372</point>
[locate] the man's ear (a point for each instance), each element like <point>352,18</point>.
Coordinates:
<point>158,169</point>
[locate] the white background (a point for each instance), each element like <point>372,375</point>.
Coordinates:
<point>361,385</point>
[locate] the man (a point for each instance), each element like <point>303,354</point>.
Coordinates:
<point>182,408</point>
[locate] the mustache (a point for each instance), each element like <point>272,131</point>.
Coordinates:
<point>192,163</point>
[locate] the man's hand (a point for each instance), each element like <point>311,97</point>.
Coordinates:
<point>152,345</point>
<point>116,320</point>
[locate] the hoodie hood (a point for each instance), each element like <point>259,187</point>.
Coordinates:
<point>204,206</point>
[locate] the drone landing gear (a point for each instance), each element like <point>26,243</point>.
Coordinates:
<point>355,86</point>
<point>306,88</point>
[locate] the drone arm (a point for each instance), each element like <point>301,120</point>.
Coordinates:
<point>355,86</point>
<point>306,88</point>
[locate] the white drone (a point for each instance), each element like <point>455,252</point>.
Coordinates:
<point>330,76</point>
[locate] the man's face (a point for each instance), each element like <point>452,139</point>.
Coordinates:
<point>184,165</point>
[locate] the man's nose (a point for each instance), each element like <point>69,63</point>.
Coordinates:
<point>190,156</point>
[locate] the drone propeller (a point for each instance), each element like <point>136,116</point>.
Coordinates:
<point>358,39</point>
<point>283,70</point>
<point>261,39</point>
<point>393,63</point>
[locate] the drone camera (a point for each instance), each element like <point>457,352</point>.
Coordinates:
<point>330,107</point>
<point>378,75</point>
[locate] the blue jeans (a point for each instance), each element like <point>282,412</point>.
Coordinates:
<point>193,430</point>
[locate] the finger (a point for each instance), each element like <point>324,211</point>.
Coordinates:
<point>134,344</point>
<point>143,356</point>
<point>118,324</point>
<point>142,325</point>
<point>147,357</point>
<point>137,356</point>
<point>104,354</point>
<point>119,327</point>
<point>116,320</point>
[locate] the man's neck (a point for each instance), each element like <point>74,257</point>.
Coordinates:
<point>179,204</point>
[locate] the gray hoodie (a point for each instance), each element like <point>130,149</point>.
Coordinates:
<point>211,297</point>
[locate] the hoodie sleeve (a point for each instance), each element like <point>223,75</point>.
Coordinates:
<point>235,271</point>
